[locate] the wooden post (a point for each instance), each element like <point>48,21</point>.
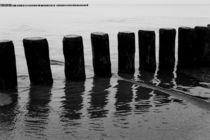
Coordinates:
<point>202,56</point>
<point>186,47</point>
<point>101,54</point>
<point>126,52</point>
<point>74,58</point>
<point>147,59</point>
<point>167,49</point>
<point>37,57</point>
<point>8,71</point>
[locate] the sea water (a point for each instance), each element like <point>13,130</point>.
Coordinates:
<point>101,108</point>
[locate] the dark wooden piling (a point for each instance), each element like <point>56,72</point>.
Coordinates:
<point>167,49</point>
<point>147,59</point>
<point>8,71</point>
<point>101,54</point>
<point>37,57</point>
<point>74,58</point>
<point>126,52</point>
<point>202,55</point>
<point>186,47</point>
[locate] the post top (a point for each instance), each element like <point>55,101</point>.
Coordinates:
<point>126,32</point>
<point>144,30</point>
<point>126,35</point>
<point>167,29</point>
<point>185,27</point>
<point>72,36</point>
<point>5,41</point>
<point>34,38</point>
<point>99,33</point>
<point>201,27</point>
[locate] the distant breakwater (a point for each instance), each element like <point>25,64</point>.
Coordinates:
<point>44,5</point>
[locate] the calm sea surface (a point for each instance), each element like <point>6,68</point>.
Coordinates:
<point>102,108</point>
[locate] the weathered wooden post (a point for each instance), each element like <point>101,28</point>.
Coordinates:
<point>8,71</point>
<point>186,47</point>
<point>202,55</point>
<point>147,59</point>
<point>167,49</point>
<point>101,54</point>
<point>74,58</point>
<point>37,57</point>
<point>126,52</point>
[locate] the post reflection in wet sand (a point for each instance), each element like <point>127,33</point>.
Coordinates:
<point>98,97</point>
<point>124,96</point>
<point>36,118</point>
<point>73,101</point>
<point>8,114</point>
<point>72,105</point>
<point>142,100</point>
<point>185,80</point>
<point>123,100</point>
<point>146,76</point>
<point>167,80</point>
<point>143,95</point>
<point>163,79</point>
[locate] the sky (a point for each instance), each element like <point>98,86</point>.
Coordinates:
<point>112,1</point>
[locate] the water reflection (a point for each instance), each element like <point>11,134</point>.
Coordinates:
<point>98,97</point>
<point>161,99</point>
<point>8,113</point>
<point>8,98</point>
<point>185,80</point>
<point>146,76</point>
<point>124,96</point>
<point>197,74</point>
<point>167,80</point>
<point>72,103</point>
<point>36,119</point>
<point>143,95</point>
<point>142,100</point>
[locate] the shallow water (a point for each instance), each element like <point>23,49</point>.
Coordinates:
<point>101,108</point>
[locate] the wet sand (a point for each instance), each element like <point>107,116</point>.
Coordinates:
<point>100,108</point>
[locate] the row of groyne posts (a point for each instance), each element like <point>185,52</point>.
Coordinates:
<point>193,44</point>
